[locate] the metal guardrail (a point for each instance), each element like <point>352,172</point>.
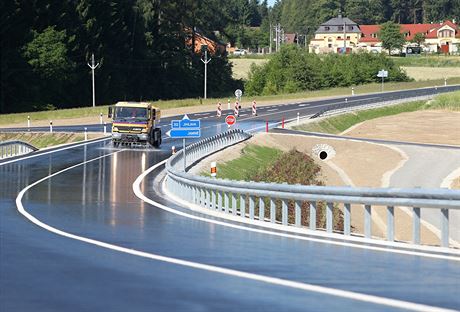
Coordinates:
<point>15,148</point>
<point>288,204</point>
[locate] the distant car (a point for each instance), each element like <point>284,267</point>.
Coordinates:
<point>238,52</point>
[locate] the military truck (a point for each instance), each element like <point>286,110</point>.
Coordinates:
<point>135,123</point>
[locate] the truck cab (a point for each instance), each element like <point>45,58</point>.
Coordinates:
<point>135,123</point>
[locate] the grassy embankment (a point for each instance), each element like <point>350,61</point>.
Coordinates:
<point>338,124</point>
<point>62,114</point>
<point>258,163</point>
<point>42,140</point>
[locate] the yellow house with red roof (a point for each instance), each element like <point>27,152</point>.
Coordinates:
<point>338,33</point>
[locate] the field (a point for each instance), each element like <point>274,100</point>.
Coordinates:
<point>241,66</point>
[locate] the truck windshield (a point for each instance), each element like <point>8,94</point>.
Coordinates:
<point>131,113</point>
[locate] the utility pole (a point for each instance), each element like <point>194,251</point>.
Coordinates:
<point>271,40</point>
<point>344,38</point>
<point>205,61</point>
<point>93,67</point>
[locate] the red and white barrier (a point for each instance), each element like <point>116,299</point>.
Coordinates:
<point>254,108</point>
<point>237,109</point>
<point>219,109</point>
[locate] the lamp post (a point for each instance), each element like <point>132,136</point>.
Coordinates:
<point>93,67</point>
<point>204,48</point>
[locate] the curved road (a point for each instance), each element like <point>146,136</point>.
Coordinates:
<point>91,196</point>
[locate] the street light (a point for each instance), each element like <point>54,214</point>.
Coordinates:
<point>204,48</point>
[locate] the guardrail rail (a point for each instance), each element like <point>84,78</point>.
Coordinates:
<point>288,205</point>
<point>15,148</point>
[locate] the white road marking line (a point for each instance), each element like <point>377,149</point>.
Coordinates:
<point>282,282</point>
<point>57,150</point>
<point>257,277</point>
<point>272,110</point>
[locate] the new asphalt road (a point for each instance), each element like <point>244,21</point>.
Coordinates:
<point>78,239</point>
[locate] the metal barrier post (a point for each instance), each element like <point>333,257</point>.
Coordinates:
<point>390,223</point>
<point>416,225</point>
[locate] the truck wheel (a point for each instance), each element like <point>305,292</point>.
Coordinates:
<point>156,137</point>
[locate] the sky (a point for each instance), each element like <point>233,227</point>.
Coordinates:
<point>271,2</point>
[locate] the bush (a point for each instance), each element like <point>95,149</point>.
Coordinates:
<point>294,69</point>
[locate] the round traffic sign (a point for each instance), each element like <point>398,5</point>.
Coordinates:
<point>230,120</point>
<point>238,93</point>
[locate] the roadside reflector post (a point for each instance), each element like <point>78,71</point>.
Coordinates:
<point>105,128</point>
<point>86,134</point>
<point>51,126</point>
<point>298,118</point>
<point>100,119</point>
<point>282,123</point>
<point>228,104</point>
<point>213,169</point>
<point>346,100</point>
<point>28,123</point>
<point>173,150</point>
<point>352,91</point>
<point>445,82</point>
<point>219,109</point>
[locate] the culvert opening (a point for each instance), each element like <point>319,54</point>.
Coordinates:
<point>323,155</point>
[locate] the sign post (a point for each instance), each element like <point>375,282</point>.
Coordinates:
<point>382,74</point>
<point>185,128</point>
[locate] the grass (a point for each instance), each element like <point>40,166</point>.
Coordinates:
<point>428,61</point>
<point>338,124</point>
<point>430,73</point>
<point>42,140</point>
<point>241,66</point>
<point>254,158</point>
<point>9,119</point>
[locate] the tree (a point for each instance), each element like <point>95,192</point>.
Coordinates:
<point>47,54</point>
<point>391,36</point>
<point>418,39</point>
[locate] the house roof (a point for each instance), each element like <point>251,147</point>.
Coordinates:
<point>332,26</point>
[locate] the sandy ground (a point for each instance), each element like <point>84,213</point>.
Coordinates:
<point>432,73</point>
<point>428,126</point>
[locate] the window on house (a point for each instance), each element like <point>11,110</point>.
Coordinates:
<point>329,45</point>
<point>327,28</point>
<point>341,28</point>
<point>339,37</point>
<point>348,37</point>
<point>350,27</point>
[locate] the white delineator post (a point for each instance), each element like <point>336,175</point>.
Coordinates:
<point>445,82</point>
<point>105,128</point>
<point>51,126</point>
<point>213,169</point>
<point>352,91</point>
<point>219,109</point>
<point>86,134</point>
<point>228,104</point>
<point>298,118</point>
<point>28,122</point>
<point>100,119</point>
<point>254,108</point>
<point>93,67</point>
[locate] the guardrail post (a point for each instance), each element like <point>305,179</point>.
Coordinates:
<point>312,216</point>
<point>219,200</point>
<point>202,198</point>
<point>284,212</point>
<point>347,219</point>
<point>416,225</point>
<point>207,199</point>
<point>242,206</point>
<point>445,227</point>
<point>251,207</point>
<point>261,209</point>
<point>298,214</point>
<point>367,221</point>
<point>272,210</point>
<point>390,223</point>
<point>226,202</point>
<point>329,217</point>
<point>234,202</point>
<point>213,196</point>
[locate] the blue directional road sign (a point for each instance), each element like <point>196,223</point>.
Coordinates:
<point>185,123</point>
<point>185,133</point>
<point>185,128</point>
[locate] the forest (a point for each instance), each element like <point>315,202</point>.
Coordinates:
<point>141,48</point>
